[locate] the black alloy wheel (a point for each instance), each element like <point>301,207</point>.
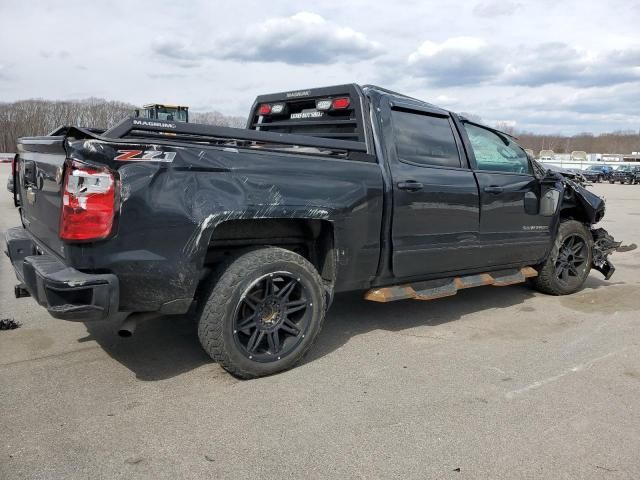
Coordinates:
<point>568,264</point>
<point>272,317</point>
<point>261,311</point>
<point>571,262</point>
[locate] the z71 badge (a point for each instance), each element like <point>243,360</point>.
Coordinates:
<point>145,155</point>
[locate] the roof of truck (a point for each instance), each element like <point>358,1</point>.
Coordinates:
<point>398,100</point>
<point>163,105</point>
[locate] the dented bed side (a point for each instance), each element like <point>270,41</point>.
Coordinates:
<point>167,212</point>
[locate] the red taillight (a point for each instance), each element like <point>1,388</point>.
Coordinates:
<point>265,109</point>
<point>14,165</point>
<point>88,203</point>
<point>340,103</point>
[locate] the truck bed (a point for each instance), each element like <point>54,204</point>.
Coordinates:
<point>196,177</point>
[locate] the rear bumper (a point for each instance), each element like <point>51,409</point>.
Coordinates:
<point>65,292</point>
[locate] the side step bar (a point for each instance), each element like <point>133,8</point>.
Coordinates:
<point>432,289</point>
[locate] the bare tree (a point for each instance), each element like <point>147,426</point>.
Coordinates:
<point>39,117</point>
<point>615,143</point>
<point>217,118</point>
<point>505,127</point>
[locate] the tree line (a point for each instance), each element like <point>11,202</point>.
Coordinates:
<point>616,142</point>
<point>620,142</point>
<point>39,117</point>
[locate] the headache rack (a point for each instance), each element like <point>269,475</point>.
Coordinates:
<point>299,113</point>
<point>143,129</point>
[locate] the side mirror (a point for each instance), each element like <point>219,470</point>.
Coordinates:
<point>531,204</point>
<point>549,202</point>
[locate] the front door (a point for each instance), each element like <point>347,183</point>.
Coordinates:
<point>508,234</point>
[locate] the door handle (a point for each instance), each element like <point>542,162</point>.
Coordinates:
<point>410,185</point>
<point>493,189</point>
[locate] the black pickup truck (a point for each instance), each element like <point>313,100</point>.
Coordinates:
<point>253,230</point>
<point>597,173</point>
<point>625,174</point>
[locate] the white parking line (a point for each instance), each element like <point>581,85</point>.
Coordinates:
<point>540,383</point>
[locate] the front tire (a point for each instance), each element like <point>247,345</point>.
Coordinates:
<point>263,313</point>
<point>568,265</point>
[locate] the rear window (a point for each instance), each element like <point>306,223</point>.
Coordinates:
<point>424,139</point>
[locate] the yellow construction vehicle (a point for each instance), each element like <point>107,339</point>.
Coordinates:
<point>157,111</point>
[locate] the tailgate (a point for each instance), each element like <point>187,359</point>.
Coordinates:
<point>39,183</point>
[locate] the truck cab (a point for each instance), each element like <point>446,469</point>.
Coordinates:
<point>462,195</point>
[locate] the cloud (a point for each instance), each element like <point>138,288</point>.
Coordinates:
<point>555,59</point>
<point>165,75</point>
<point>62,54</point>
<point>175,48</point>
<point>456,61</point>
<point>494,8</point>
<point>551,109</point>
<point>560,64</point>
<point>621,99</point>
<point>4,73</point>
<point>462,61</point>
<point>304,38</point>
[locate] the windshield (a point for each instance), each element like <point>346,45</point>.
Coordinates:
<point>172,114</point>
<point>594,167</point>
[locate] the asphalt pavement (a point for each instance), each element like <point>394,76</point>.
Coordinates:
<point>492,383</point>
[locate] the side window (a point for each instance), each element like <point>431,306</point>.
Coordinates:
<point>493,154</point>
<point>424,140</point>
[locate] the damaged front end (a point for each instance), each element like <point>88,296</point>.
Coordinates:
<point>578,203</point>
<point>603,246</point>
<point>593,207</point>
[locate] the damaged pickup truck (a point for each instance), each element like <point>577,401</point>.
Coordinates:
<point>252,231</point>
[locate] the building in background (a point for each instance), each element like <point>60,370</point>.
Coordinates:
<point>634,157</point>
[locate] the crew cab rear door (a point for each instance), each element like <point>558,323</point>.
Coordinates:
<point>435,196</point>
<point>508,233</point>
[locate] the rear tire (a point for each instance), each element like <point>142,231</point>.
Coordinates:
<point>263,313</point>
<point>568,265</point>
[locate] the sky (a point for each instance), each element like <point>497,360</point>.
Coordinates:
<point>545,66</point>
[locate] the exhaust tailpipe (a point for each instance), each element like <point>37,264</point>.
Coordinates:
<point>128,326</point>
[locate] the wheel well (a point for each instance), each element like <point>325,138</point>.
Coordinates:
<point>573,213</point>
<point>313,239</point>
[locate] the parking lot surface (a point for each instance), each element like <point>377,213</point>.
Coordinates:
<point>492,383</point>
